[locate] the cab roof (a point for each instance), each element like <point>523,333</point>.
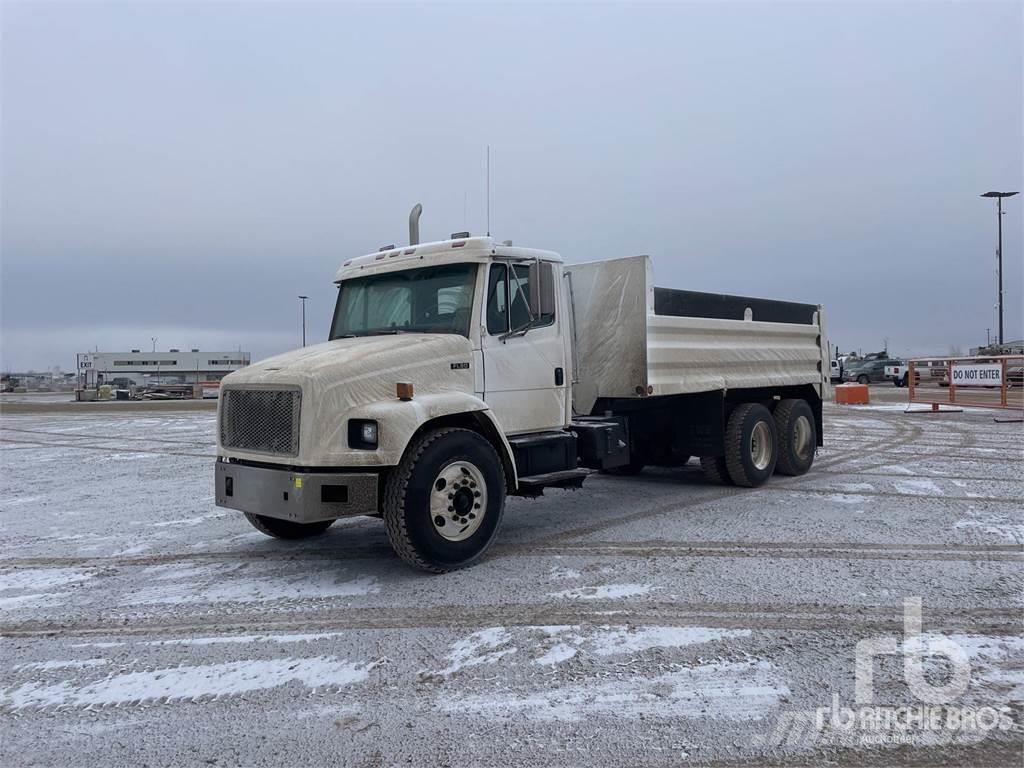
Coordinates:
<point>459,249</point>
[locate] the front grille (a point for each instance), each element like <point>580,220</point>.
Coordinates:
<point>261,420</point>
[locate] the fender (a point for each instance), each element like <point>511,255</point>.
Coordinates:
<point>401,420</point>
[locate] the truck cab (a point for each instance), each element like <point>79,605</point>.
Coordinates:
<point>461,371</point>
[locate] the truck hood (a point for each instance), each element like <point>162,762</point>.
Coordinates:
<point>353,379</point>
<point>363,362</point>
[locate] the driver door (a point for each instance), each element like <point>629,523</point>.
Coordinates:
<point>525,375</point>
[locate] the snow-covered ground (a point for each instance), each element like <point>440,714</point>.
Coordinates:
<point>650,620</point>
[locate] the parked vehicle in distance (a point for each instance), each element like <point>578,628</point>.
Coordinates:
<point>835,371</point>
<point>869,371</point>
<point>898,372</point>
<point>462,371</point>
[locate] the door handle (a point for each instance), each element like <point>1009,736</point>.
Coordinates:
<point>559,377</point>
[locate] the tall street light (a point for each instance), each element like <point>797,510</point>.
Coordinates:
<point>303,319</point>
<point>999,251</point>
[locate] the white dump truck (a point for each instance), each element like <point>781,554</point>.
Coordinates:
<point>460,372</point>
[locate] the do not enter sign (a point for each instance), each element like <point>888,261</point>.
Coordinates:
<point>980,375</point>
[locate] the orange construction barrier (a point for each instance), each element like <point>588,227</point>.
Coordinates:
<point>852,394</point>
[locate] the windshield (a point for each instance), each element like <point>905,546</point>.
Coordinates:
<point>425,300</point>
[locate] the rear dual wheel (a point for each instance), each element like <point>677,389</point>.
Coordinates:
<point>759,442</point>
<point>797,436</point>
<point>750,454</point>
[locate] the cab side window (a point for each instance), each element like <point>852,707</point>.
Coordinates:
<point>497,300</point>
<point>519,295</point>
<point>508,299</point>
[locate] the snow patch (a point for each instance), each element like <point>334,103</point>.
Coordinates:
<point>41,578</point>
<point>483,647</point>
<point>855,487</point>
<point>62,664</point>
<point>1003,526</point>
<point>243,589</point>
<point>604,592</point>
<point>611,640</point>
<point>715,691</point>
<point>227,679</point>
<point>844,498</point>
<point>230,639</point>
<point>561,574</point>
<point>921,487</point>
<point>895,469</point>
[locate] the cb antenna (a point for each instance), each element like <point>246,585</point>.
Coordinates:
<point>488,190</point>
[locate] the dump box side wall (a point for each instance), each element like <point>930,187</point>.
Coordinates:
<point>623,347</point>
<point>692,354</point>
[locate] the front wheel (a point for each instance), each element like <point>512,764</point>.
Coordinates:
<point>286,529</point>
<point>862,379</point>
<point>444,501</point>
<point>750,453</point>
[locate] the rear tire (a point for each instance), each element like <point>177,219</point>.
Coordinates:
<point>750,445</point>
<point>715,469</point>
<point>797,437</point>
<point>287,529</point>
<point>444,501</point>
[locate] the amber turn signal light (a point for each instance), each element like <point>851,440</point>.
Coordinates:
<point>403,390</point>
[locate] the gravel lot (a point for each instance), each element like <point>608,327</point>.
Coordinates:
<point>653,620</point>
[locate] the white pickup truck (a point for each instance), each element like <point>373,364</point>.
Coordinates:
<point>460,372</point>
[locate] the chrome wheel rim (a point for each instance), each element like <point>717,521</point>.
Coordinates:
<point>458,501</point>
<point>761,445</point>
<point>801,436</point>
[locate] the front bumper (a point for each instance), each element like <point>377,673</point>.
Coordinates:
<point>302,497</point>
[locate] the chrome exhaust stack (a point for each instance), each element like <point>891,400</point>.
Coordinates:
<point>414,224</point>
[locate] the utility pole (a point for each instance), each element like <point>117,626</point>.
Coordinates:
<point>999,251</point>
<point>303,319</point>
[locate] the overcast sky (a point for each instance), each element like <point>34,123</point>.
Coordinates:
<point>185,171</point>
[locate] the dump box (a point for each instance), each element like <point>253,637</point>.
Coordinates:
<point>633,339</point>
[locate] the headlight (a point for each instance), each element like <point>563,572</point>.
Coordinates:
<point>362,433</point>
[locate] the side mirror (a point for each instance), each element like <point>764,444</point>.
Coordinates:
<point>542,288</point>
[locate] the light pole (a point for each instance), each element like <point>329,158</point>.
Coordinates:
<point>303,319</point>
<point>999,251</point>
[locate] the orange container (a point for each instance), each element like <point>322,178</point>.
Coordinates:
<point>852,394</point>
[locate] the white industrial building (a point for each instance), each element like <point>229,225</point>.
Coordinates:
<point>152,368</point>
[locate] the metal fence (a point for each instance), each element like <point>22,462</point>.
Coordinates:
<point>978,382</point>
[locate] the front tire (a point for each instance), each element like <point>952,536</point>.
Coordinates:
<point>750,445</point>
<point>287,529</point>
<point>862,379</point>
<point>797,437</point>
<point>444,501</point>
